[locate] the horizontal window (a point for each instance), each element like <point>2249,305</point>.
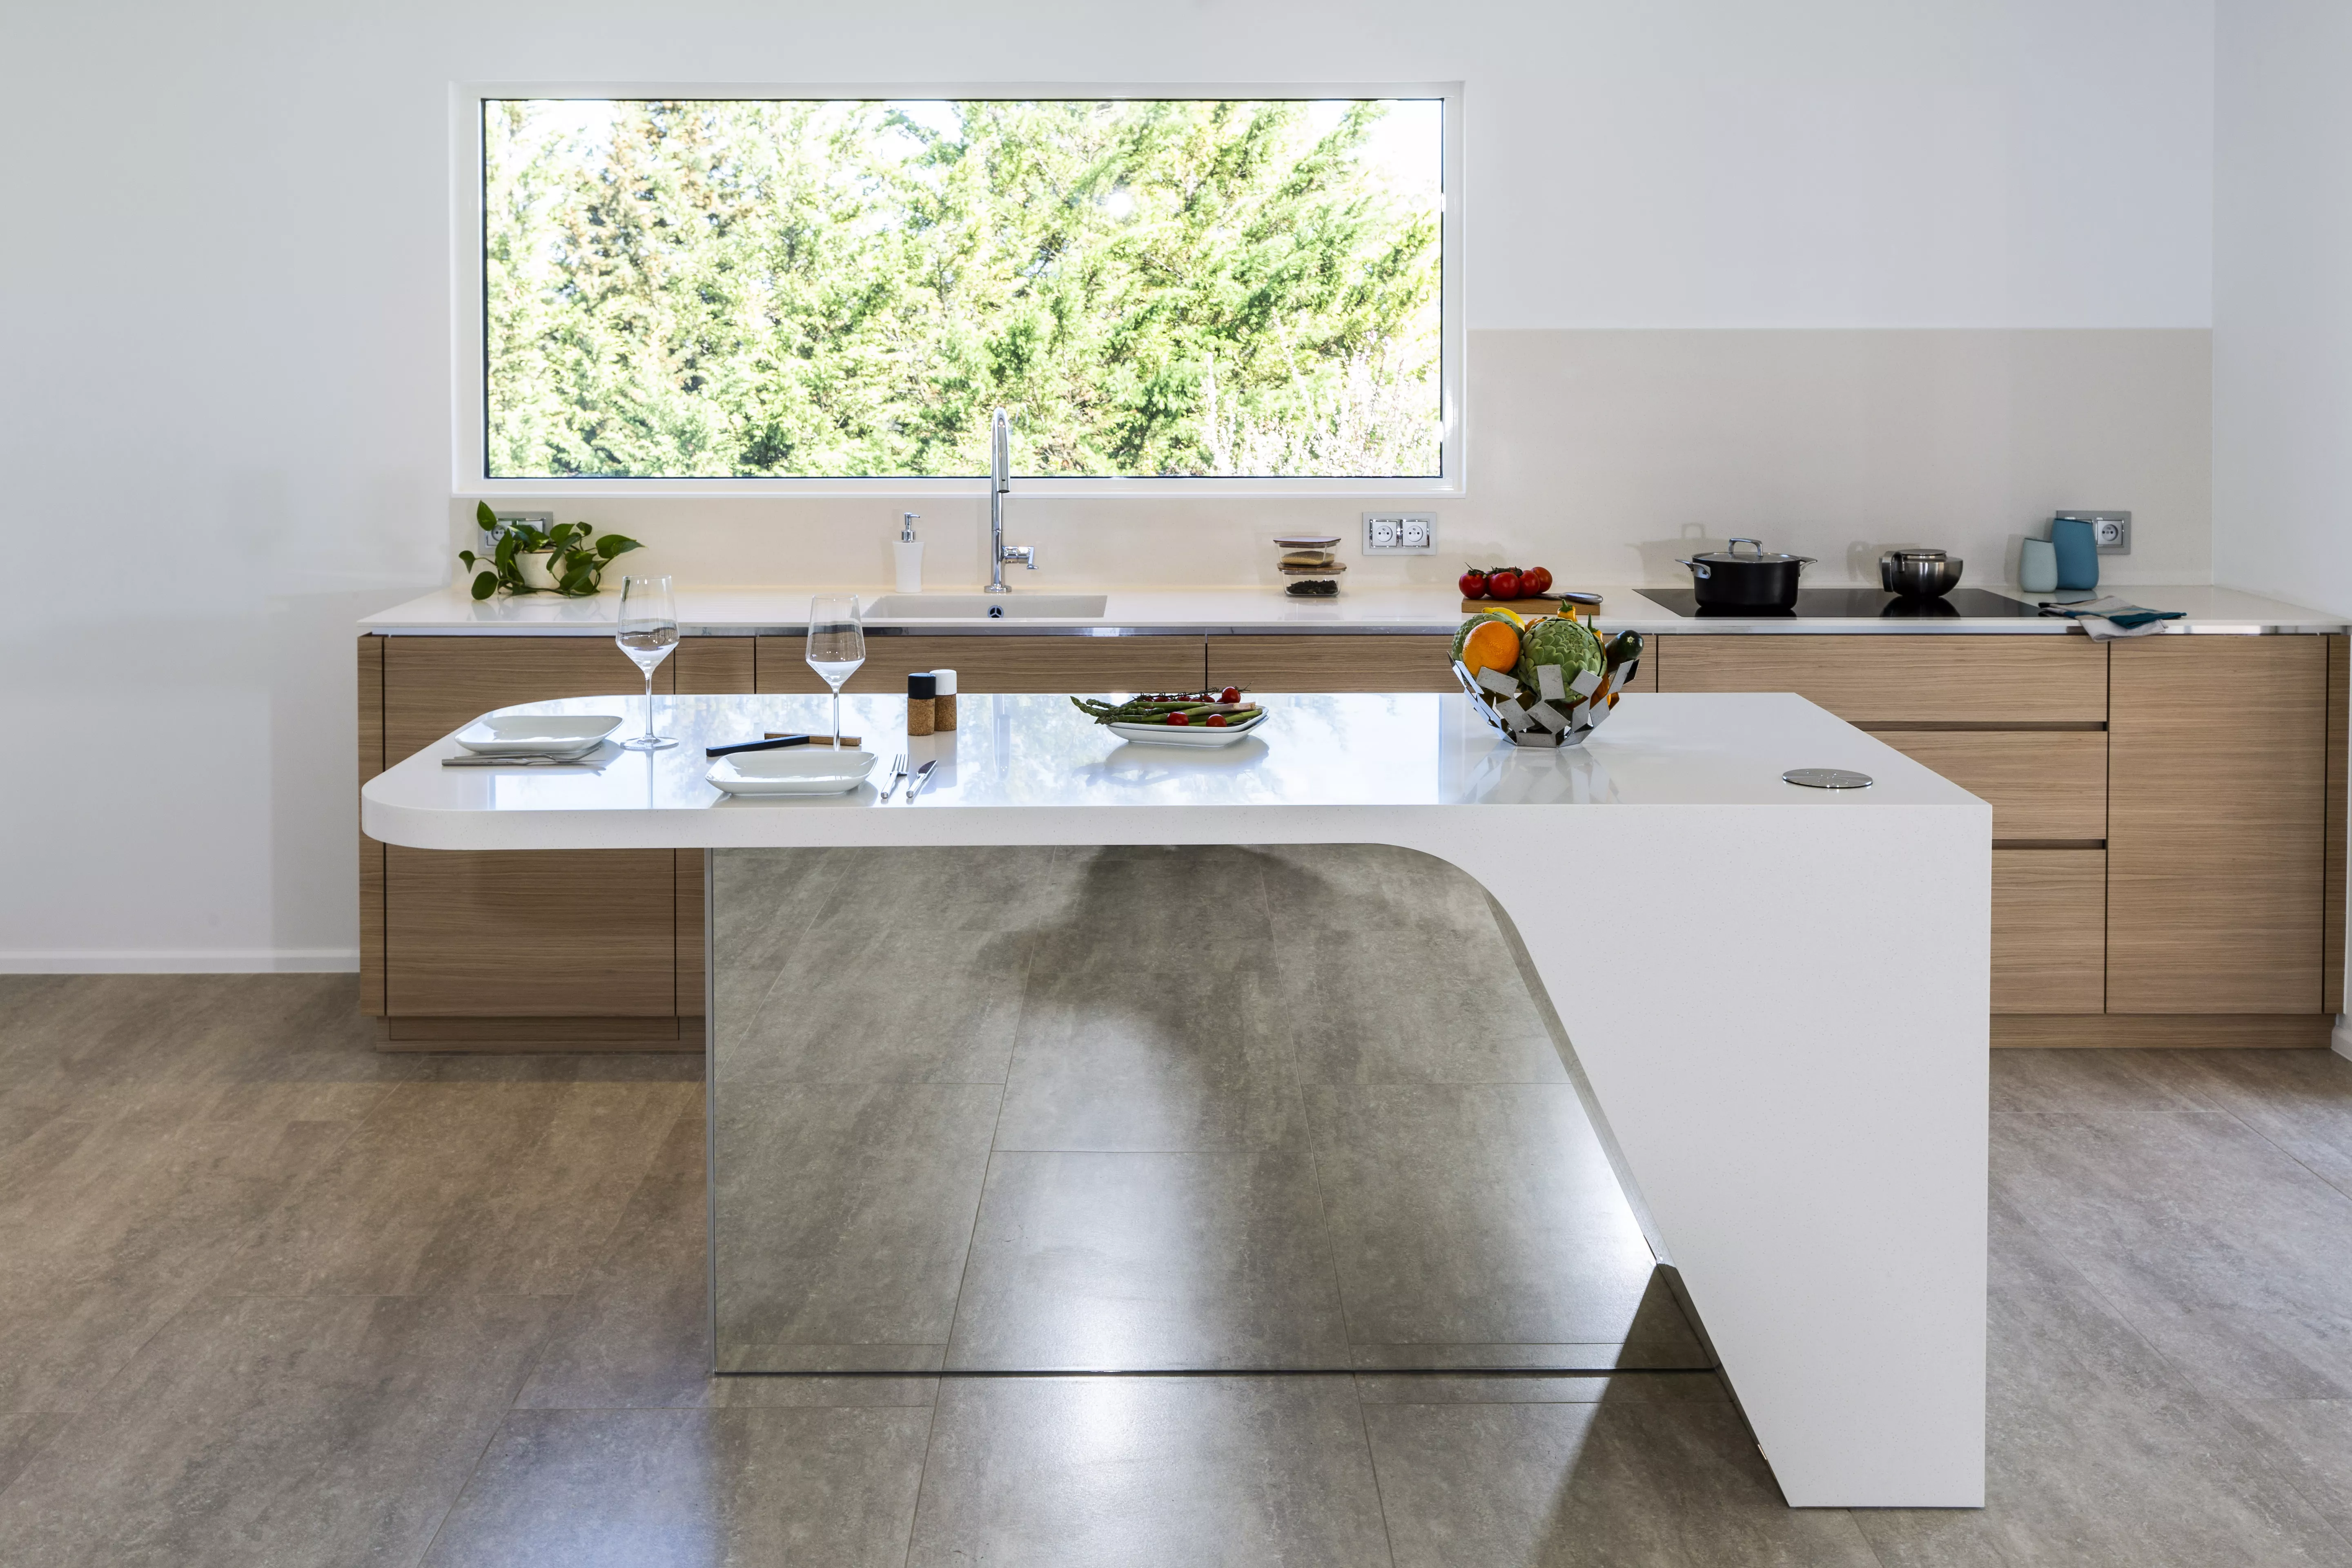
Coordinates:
<point>795,289</point>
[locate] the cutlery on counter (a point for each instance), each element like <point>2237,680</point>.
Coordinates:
<point>922,777</point>
<point>773,743</point>
<point>897,771</point>
<point>532,760</point>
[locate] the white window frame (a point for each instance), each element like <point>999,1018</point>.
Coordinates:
<point>469,382</point>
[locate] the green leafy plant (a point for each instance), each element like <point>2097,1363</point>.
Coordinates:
<point>575,558</point>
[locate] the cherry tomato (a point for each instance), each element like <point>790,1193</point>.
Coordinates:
<point>1473,583</point>
<point>1503,584</point>
<point>1230,694</point>
<point>1535,580</point>
<point>1178,718</point>
<point>1216,722</point>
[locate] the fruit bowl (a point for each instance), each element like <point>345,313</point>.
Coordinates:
<point>1547,719</point>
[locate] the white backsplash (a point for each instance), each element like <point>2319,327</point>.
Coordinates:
<point>1604,455</point>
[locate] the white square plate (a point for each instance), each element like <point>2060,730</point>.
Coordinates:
<point>1196,735</point>
<point>795,769</point>
<point>536,734</point>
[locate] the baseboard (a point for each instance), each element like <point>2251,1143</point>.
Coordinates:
<point>539,1033</point>
<point>181,960</point>
<point>2164,1031</point>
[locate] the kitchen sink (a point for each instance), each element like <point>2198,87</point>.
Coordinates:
<point>987,606</point>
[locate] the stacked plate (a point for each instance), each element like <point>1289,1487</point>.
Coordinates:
<point>563,736</point>
<point>797,770</point>
<point>1312,562</point>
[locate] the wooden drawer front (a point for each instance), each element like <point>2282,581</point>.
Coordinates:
<point>433,685</point>
<point>985,664</point>
<point>1332,663</point>
<point>2042,784</point>
<point>2049,931</point>
<point>1890,679</point>
<point>711,665</point>
<point>2215,837</point>
<point>539,934</point>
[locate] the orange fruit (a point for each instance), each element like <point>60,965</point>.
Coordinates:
<point>1493,646</point>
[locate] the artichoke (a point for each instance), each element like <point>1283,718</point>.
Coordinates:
<point>1565,644</point>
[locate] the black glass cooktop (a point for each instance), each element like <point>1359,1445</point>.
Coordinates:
<point>1856,604</point>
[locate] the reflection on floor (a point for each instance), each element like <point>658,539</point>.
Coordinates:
<point>1148,1109</point>
<point>267,1298</point>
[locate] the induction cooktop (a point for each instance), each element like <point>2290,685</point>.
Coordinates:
<point>1855,604</point>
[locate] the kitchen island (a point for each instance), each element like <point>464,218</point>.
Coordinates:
<point>1772,998</point>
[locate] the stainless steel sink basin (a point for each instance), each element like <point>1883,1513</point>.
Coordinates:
<point>1015,607</point>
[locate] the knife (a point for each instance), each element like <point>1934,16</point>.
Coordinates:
<point>922,777</point>
<point>773,744</point>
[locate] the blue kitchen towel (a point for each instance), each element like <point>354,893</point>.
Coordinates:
<point>2077,547</point>
<point>2111,616</point>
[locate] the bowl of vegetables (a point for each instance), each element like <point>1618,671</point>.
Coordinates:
<point>1548,681</point>
<point>1176,718</point>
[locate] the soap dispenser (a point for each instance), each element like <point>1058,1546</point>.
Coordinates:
<point>909,552</point>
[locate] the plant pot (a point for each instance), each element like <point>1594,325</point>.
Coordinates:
<point>533,566</point>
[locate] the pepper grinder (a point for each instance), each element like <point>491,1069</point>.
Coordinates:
<point>909,554</point>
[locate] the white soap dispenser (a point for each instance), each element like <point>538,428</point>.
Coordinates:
<point>909,552</point>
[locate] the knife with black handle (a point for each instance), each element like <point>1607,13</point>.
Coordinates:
<point>775,745</point>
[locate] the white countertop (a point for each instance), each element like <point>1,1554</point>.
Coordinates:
<point>1038,758</point>
<point>1777,997</point>
<point>720,612</point>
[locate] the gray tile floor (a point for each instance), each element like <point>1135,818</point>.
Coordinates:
<point>267,1298</point>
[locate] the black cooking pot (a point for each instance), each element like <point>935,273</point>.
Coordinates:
<point>1726,579</point>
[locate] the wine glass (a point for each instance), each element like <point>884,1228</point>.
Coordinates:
<point>836,646</point>
<point>648,630</point>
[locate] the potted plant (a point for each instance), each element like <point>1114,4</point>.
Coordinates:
<point>524,558</point>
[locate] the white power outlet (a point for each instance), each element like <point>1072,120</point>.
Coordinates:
<point>2110,529</point>
<point>1401,532</point>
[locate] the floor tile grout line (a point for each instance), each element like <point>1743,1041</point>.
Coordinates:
<point>922,1478</point>
<point>522,1382</point>
<point>1372,1460</point>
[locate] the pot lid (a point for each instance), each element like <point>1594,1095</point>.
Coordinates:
<point>1758,555</point>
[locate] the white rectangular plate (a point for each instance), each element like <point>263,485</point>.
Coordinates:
<point>536,734</point>
<point>1186,734</point>
<point>797,770</point>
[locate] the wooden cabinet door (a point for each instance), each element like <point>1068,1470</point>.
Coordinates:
<point>541,933</point>
<point>2049,931</point>
<point>1889,679</point>
<point>2216,842</point>
<point>1010,663</point>
<point>1333,662</point>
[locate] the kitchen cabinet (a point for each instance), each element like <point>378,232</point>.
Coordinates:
<point>2047,788</point>
<point>2168,813</point>
<point>1338,662</point>
<point>503,950</point>
<point>2049,931</point>
<point>1877,678</point>
<point>2216,830</point>
<point>1002,663</point>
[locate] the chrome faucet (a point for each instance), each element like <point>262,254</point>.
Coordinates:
<point>999,483</point>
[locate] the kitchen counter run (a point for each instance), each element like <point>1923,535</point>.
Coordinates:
<point>737,612</point>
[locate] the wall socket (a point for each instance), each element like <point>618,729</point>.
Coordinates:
<point>1401,532</point>
<point>543,520</point>
<point>2111,529</point>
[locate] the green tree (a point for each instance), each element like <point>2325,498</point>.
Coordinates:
<point>756,287</point>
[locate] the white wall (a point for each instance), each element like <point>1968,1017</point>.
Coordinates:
<point>2282,300</point>
<point>226,282</point>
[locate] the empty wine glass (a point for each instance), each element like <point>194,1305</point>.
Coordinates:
<point>648,630</point>
<point>836,646</point>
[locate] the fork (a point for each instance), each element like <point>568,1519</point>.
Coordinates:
<point>897,771</point>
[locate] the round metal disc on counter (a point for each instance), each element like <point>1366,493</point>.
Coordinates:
<point>1828,778</point>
